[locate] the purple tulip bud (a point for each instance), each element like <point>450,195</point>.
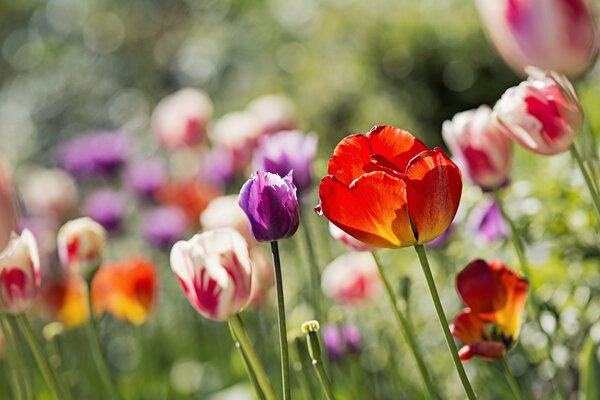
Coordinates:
<point>352,338</point>
<point>163,226</point>
<point>107,207</point>
<point>271,205</point>
<point>334,341</point>
<point>286,151</point>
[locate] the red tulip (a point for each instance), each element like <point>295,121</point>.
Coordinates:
<point>126,289</point>
<point>495,296</point>
<point>66,299</point>
<point>387,189</point>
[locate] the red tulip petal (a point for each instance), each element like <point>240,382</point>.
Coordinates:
<point>372,209</point>
<point>468,328</point>
<point>395,145</point>
<point>487,350</point>
<point>433,185</point>
<point>508,318</point>
<point>349,158</point>
<point>479,288</point>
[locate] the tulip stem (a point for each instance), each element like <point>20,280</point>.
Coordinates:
<point>313,267</point>
<point>91,331</point>
<point>406,330</point>
<point>39,356</point>
<point>323,379</point>
<point>16,368</point>
<point>444,322</point>
<point>285,366</point>
<point>247,365</point>
<point>512,382</point>
<point>586,177</point>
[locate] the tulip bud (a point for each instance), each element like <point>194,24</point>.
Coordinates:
<point>312,339</point>
<point>550,34</point>
<point>19,273</point>
<point>180,119</point>
<point>271,205</point>
<point>349,241</point>
<point>214,271</point>
<point>237,132</point>
<point>287,151</point>
<point>66,299</point>
<point>81,245</point>
<point>49,192</point>
<point>479,147</point>
<point>542,114</point>
<point>351,278</point>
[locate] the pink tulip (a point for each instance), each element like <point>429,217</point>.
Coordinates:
<point>349,241</point>
<point>8,206</point>
<point>237,133</point>
<point>275,113</point>
<point>19,273</point>
<point>81,245</point>
<point>263,278</point>
<point>479,147</point>
<point>558,35</point>
<point>180,119</point>
<point>225,212</point>
<point>542,114</point>
<point>214,271</point>
<point>351,278</point>
<point>49,192</point>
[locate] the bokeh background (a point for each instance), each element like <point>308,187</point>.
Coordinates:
<point>73,66</point>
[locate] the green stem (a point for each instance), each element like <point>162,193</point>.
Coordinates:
<point>444,322</point>
<point>96,349</point>
<point>323,379</point>
<point>247,367</point>
<point>586,177</point>
<point>235,324</point>
<point>315,275</point>
<point>512,382</point>
<point>406,330</point>
<point>285,365</point>
<point>16,369</point>
<point>39,356</point>
<point>305,383</point>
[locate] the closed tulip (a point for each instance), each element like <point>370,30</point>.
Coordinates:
<point>387,189</point>
<point>478,145</point>
<point>65,299</point>
<point>81,245</point>
<point>19,273</point>
<point>558,35</point>
<point>214,271</point>
<point>126,289</point>
<point>542,114</point>
<point>271,205</point>
<point>351,278</point>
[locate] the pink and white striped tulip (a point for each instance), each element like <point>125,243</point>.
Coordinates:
<point>81,245</point>
<point>542,114</point>
<point>348,241</point>
<point>180,119</point>
<point>214,271</point>
<point>351,278</point>
<point>560,35</point>
<point>479,147</point>
<point>19,273</point>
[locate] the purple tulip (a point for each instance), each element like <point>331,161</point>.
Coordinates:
<point>271,205</point>
<point>288,151</point>
<point>352,338</point>
<point>163,226</point>
<point>94,154</point>
<point>334,341</point>
<point>106,207</point>
<point>486,220</point>
<point>218,166</point>
<point>146,177</point>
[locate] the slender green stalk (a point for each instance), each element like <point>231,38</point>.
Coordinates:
<point>586,176</point>
<point>235,324</point>
<point>406,330</point>
<point>39,356</point>
<point>15,370</point>
<point>283,345</point>
<point>444,322</point>
<point>512,382</point>
<point>96,349</point>
<point>315,275</point>
<point>305,382</point>
<point>323,379</point>
<point>247,367</point>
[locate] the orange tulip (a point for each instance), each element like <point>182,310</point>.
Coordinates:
<point>387,189</point>
<point>65,299</point>
<point>495,296</point>
<point>126,289</point>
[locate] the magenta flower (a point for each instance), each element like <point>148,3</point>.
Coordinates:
<point>107,207</point>
<point>487,222</point>
<point>146,177</point>
<point>341,340</point>
<point>271,205</point>
<point>288,151</point>
<point>163,226</point>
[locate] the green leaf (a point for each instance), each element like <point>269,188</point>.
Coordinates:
<point>589,367</point>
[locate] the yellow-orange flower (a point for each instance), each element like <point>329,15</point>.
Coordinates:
<point>65,299</point>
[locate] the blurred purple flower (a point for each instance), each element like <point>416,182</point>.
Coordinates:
<point>146,177</point>
<point>217,166</point>
<point>486,220</point>
<point>334,342</point>
<point>107,207</point>
<point>443,239</point>
<point>352,338</point>
<point>93,154</point>
<point>285,151</point>
<point>163,226</point>
<point>271,205</point>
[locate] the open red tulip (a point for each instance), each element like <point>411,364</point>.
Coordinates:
<point>387,189</point>
<point>495,296</point>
